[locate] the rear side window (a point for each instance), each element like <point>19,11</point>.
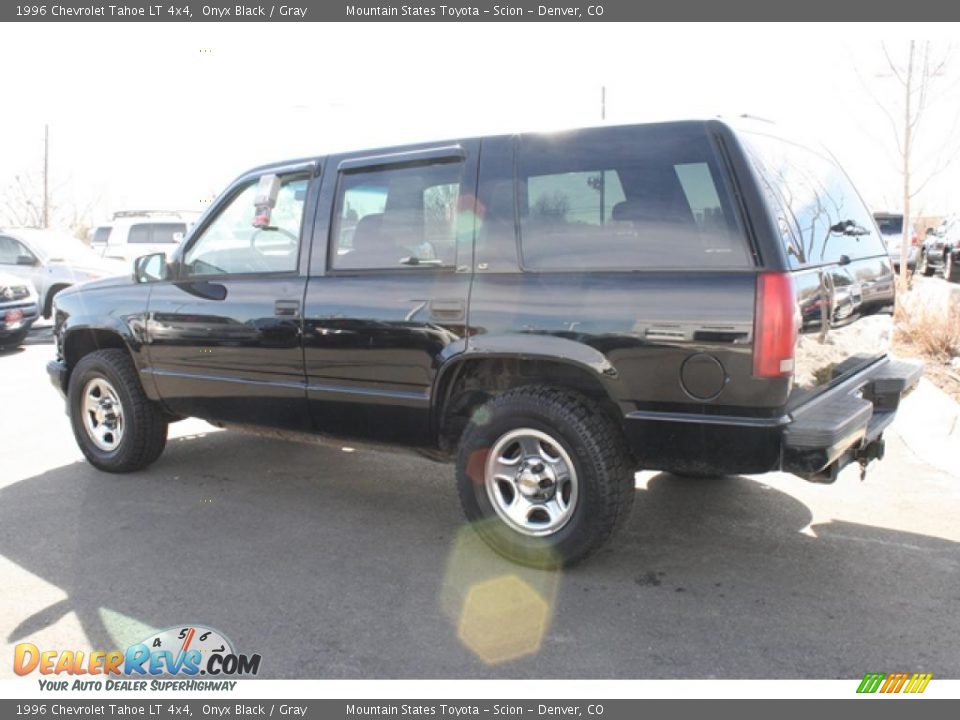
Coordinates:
<point>396,217</point>
<point>162,233</point>
<point>626,198</point>
<point>823,218</point>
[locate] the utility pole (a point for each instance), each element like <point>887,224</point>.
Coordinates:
<point>46,167</point>
<point>603,102</point>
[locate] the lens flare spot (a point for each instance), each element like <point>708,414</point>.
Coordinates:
<point>503,619</point>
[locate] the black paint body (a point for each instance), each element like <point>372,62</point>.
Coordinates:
<point>373,355</point>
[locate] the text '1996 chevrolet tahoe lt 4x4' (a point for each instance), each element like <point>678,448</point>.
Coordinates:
<point>551,311</point>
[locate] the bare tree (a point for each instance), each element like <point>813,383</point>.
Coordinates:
<point>919,75</point>
<point>40,200</point>
<point>21,204</point>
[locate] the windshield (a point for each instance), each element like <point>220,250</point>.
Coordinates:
<point>890,224</point>
<point>54,245</point>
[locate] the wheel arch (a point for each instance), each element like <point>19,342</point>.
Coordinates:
<point>470,378</point>
<point>48,298</point>
<point>81,340</point>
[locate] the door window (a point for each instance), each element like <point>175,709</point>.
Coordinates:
<point>11,250</point>
<point>400,217</point>
<point>231,245</point>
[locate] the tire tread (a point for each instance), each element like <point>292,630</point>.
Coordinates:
<point>148,429</point>
<point>606,446</point>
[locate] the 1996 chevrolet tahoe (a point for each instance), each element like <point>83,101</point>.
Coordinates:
<point>551,311</point>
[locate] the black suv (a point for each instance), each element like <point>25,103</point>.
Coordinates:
<point>552,312</point>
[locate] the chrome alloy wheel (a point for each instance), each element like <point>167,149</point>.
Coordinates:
<point>531,482</point>
<point>102,414</point>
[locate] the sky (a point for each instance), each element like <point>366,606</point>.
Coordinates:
<point>163,116</point>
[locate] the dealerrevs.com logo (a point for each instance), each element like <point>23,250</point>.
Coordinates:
<point>178,652</point>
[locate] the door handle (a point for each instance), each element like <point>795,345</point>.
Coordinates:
<point>286,308</point>
<point>446,309</point>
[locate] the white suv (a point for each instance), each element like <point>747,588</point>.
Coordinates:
<point>141,232</point>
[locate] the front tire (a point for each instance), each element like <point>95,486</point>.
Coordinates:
<point>117,427</point>
<point>544,476</point>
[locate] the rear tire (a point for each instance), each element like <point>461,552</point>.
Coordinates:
<point>544,476</point>
<point>117,427</point>
<point>924,266</point>
<point>951,269</point>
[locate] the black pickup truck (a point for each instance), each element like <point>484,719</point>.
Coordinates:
<point>550,311</point>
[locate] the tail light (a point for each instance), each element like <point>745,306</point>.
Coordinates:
<point>913,240</point>
<point>775,326</point>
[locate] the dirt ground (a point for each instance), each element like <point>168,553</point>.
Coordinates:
<point>936,369</point>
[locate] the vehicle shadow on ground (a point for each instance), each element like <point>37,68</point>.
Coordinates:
<point>332,564</point>
<point>40,336</point>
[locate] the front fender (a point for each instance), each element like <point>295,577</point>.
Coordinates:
<point>92,319</point>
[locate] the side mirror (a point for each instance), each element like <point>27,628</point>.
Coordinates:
<point>265,200</point>
<point>150,268</point>
<point>28,260</point>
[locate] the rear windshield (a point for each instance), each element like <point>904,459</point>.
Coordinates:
<point>890,224</point>
<point>644,197</point>
<point>100,236</point>
<point>822,218</point>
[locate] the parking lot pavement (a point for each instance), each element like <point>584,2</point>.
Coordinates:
<point>359,564</point>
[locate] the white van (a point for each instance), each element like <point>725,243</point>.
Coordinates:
<point>141,232</point>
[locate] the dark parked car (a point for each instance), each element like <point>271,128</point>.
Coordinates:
<point>941,250</point>
<point>550,312</point>
<point>18,310</point>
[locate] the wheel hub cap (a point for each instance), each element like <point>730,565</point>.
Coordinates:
<point>102,414</point>
<point>535,479</point>
<point>531,482</point>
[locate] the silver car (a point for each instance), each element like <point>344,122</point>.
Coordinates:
<point>52,261</point>
<point>19,309</point>
<point>891,228</point>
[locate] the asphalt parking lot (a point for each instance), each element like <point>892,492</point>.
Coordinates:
<point>335,564</point>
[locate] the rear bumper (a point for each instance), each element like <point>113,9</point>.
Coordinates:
<point>815,441</point>
<point>826,433</point>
